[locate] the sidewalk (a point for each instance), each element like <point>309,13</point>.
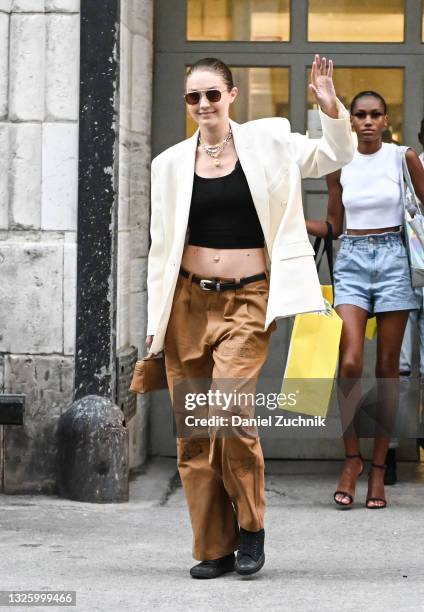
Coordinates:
<point>136,556</point>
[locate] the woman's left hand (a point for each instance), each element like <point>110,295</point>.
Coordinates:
<point>322,86</point>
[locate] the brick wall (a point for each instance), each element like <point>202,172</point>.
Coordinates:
<point>39,64</point>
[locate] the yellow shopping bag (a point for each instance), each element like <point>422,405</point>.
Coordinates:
<point>327,293</point>
<point>371,328</point>
<point>312,362</point>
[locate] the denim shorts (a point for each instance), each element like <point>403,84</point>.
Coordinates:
<point>372,272</point>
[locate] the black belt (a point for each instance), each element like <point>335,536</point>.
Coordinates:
<point>216,285</point>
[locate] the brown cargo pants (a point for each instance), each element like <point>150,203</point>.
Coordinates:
<point>219,335</point>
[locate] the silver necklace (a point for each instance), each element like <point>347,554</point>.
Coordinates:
<point>215,151</point>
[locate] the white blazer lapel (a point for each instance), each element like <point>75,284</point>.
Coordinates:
<point>255,175</point>
<point>186,160</point>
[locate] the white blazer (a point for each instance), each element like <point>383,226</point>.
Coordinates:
<point>274,161</point>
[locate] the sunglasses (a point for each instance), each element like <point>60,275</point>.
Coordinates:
<point>193,97</point>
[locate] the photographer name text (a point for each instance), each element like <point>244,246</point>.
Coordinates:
<point>236,420</point>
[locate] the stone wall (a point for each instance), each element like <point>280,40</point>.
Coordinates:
<point>39,77</point>
<point>136,61</point>
<point>39,87</point>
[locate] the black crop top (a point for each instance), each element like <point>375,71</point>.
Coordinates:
<point>222,213</point>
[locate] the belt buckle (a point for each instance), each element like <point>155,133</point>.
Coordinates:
<point>204,282</point>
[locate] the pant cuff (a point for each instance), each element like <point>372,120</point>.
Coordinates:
<point>214,553</point>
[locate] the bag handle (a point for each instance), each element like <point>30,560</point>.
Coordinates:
<point>411,204</point>
<point>328,250</point>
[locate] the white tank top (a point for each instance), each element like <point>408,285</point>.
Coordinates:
<point>371,189</point>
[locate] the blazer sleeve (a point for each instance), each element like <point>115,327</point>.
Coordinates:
<point>156,259</point>
<point>317,157</point>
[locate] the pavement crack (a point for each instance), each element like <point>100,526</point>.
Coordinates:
<point>276,491</point>
<point>173,484</point>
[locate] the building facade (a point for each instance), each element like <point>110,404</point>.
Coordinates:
<point>75,116</point>
<point>81,113</point>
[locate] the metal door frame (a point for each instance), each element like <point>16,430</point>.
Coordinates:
<point>173,52</point>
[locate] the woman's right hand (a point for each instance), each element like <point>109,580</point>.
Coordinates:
<point>317,228</point>
<point>322,86</point>
<point>149,341</point>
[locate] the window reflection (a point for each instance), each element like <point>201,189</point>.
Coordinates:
<point>263,92</point>
<point>386,81</point>
<point>253,20</point>
<point>356,21</point>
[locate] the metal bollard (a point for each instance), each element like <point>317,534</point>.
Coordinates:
<point>93,452</point>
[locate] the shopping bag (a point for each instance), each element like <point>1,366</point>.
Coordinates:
<point>149,375</point>
<point>413,223</point>
<point>312,362</point>
<point>371,328</point>
<point>327,293</point>
<point>415,254</point>
<point>412,205</point>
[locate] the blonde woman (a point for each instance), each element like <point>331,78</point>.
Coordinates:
<point>225,204</point>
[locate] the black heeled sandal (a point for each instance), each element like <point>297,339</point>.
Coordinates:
<point>376,499</point>
<point>345,493</point>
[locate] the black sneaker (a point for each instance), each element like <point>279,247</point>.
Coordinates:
<point>250,556</point>
<point>390,476</point>
<point>213,568</point>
